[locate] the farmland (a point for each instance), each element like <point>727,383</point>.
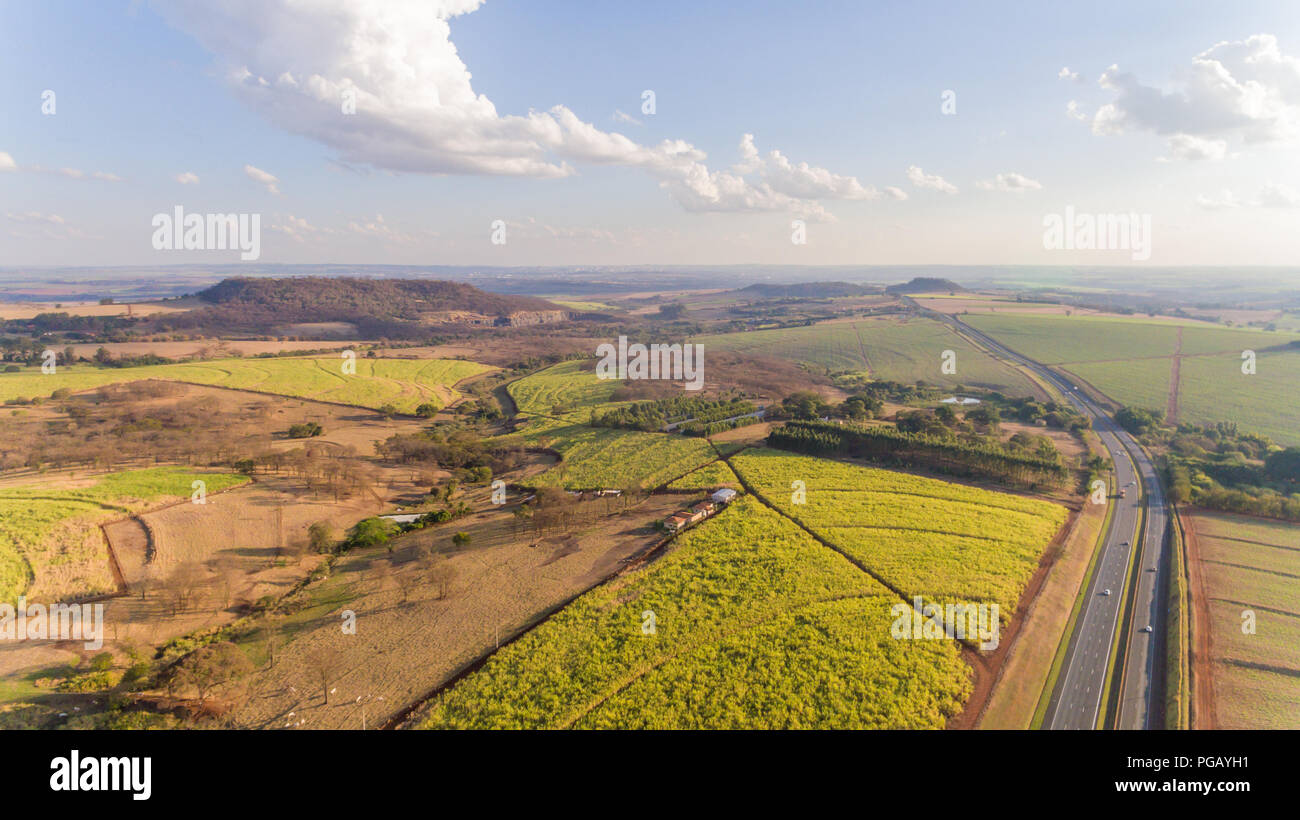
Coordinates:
<point>884,349</point>
<point>1131,360</point>
<point>755,625</point>
<point>568,385</point>
<point>600,457</point>
<point>50,543</point>
<point>1246,565</point>
<point>403,383</point>
<point>945,542</point>
<point>560,398</point>
<point>708,477</point>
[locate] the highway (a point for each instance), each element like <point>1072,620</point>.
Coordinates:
<point>1076,701</point>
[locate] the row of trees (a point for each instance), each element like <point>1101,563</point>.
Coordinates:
<point>894,447</point>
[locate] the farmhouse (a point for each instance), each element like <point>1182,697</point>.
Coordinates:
<point>677,521</point>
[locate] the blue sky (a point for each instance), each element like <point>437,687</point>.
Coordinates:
<point>849,94</point>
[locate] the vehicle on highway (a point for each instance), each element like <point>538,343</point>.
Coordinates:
<point>1105,591</point>
<point>1146,628</point>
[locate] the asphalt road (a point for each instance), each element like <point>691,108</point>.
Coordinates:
<point>1076,701</point>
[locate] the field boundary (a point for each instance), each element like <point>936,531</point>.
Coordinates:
<point>1177,665</point>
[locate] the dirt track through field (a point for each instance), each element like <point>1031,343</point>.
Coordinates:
<point>1203,698</point>
<point>1175,366</point>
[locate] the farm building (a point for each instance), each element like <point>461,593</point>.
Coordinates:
<point>704,507</point>
<point>676,521</point>
<point>724,496</point>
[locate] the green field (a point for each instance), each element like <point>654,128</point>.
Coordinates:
<point>605,458</point>
<point>1065,339</point>
<point>404,383</point>
<point>568,385</point>
<point>1130,360</point>
<point>945,542</point>
<point>49,537</point>
<point>1213,388</point>
<point>708,477</point>
<point>905,351</point>
<point>756,626</point>
<point>1140,383</point>
<point>1253,564</point>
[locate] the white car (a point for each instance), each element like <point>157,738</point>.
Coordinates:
<point>1146,628</point>
<point>1105,591</point>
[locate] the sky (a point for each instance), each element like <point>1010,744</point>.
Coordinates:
<point>505,132</point>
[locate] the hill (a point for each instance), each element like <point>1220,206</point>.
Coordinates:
<point>926,284</point>
<point>807,290</point>
<point>394,308</point>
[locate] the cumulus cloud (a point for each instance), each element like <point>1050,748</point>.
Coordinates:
<point>1244,89</point>
<point>416,109</point>
<point>187,178</point>
<point>1067,74</point>
<point>921,179</point>
<point>1272,195</point>
<point>35,216</point>
<point>1276,195</point>
<point>7,162</point>
<point>1188,147</point>
<point>1073,111</point>
<point>1223,201</point>
<point>1010,182</point>
<point>263,178</point>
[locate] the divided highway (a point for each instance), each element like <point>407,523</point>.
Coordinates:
<point>1076,702</point>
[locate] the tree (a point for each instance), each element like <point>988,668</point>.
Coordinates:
<point>389,410</point>
<point>441,576</point>
<point>1283,465</point>
<point>371,532</point>
<point>672,310</point>
<point>213,667</point>
<point>321,536</point>
<point>426,411</point>
<point>460,539</point>
<point>323,662</point>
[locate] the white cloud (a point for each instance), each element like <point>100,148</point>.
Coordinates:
<point>187,178</point>
<point>1067,74</point>
<point>7,162</point>
<point>75,173</point>
<point>1188,147</point>
<point>923,180</point>
<point>416,110</point>
<point>1224,201</point>
<point>1272,195</point>
<point>1276,195</point>
<point>1244,89</point>
<point>619,116</point>
<point>895,193</point>
<point>1073,111</point>
<point>35,216</point>
<point>1010,182</point>
<point>263,178</point>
